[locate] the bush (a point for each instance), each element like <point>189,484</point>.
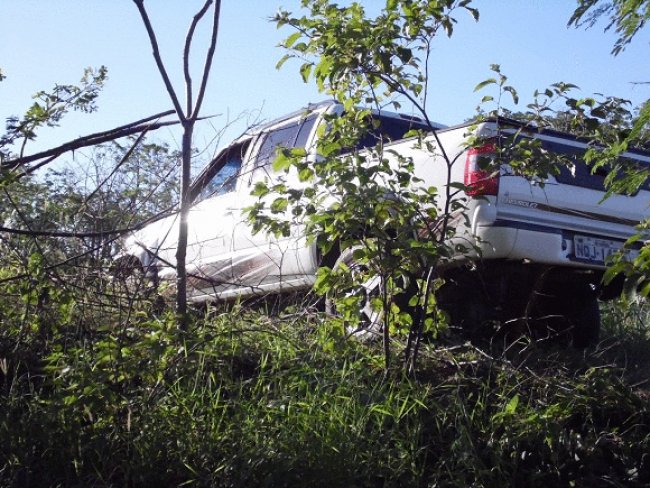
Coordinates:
<point>245,399</point>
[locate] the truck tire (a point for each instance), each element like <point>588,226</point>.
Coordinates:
<point>370,325</point>
<point>371,320</point>
<point>136,280</point>
<point>468,307</point>
<point>127,267</point>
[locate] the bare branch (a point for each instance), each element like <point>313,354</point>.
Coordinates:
<point>186,55</point>
<point>77,235</point>
<point>208,60</point>
<point>187,121</point>
<point>89,140</point>
<point>124,159</point>
<point>159,62</point>
<point>51,267</point>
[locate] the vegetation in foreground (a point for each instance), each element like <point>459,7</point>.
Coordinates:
<point>99,393</point>
<point>247,399</point>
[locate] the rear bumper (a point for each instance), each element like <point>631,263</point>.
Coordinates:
<point>521,241</point>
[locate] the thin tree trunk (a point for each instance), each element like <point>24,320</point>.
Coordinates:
<point>181,250</point>
<point>188,118</point>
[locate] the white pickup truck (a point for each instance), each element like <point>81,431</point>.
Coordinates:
<point>542,247</point>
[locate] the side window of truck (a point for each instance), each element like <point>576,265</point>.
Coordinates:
<point>294,134</point>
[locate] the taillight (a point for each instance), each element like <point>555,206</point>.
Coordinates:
<point>480,181</point>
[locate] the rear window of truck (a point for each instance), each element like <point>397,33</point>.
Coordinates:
<point>581,174</point>
<point>390,129</point>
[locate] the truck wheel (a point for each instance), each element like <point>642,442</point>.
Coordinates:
<point>370,322</point>
<point>127,267</point>
<point>468,307</point>
<point>137,281</point>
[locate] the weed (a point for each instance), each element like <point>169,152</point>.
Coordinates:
<point>243,398</point>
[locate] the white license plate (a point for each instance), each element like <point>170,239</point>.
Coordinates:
<point>594,249</point>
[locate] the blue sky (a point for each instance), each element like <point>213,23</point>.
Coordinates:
<point>45,42</point>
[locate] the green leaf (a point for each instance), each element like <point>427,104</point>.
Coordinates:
<point>305,71</point>
<point>306,174</point>
<point>484,83</point>
<point>324,280</point>
<point>279,205</point>
<point>260,189</point>
<point>612,272</point>
<point>513,93</point>
<point>290,41</point>
<point>512,405</point>
<point>282,60</point>
<point>645,289</point>
<point>283,161</point>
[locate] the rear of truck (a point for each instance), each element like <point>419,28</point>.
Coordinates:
<point>566,219</point>
<point>542,246</point>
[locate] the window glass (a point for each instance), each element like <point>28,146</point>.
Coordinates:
<point>305,132</point>
<point>581,173</point>
<point>292,135</point>
<point>221,176</point>
<point>389,129</point>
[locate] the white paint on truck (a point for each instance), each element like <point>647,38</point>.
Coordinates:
<point>525,231</point>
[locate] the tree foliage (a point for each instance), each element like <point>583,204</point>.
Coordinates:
<point>50,107</point>
<point>106,193</point>
<point>368,202</point>
<point>627,17</point>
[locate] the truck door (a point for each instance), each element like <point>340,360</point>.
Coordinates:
<point>260,259</point>
<point>212,221</point>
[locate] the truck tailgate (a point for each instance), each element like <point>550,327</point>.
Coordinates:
<point>573,205</point>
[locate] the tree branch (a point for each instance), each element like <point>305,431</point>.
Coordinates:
<point>186,55</point>
<point>89,140</point>
<point>208,60</point>
<point>124,159</point>
<point>77,235</point>
<point>159,62</point>
<point>51,267</point>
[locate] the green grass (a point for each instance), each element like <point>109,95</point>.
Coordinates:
<point>245,399</point>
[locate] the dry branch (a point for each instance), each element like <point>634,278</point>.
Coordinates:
<point>45,157</point>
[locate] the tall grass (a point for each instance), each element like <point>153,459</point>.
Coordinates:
<point>244,399</point>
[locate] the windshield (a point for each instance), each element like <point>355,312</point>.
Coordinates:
<point>220,176</point>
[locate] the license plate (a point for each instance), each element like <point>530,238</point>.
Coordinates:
<point>594,249</point>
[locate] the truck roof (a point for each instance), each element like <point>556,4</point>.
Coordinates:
<point>331,106</point>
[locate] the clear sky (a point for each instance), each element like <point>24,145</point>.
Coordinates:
<point>46,42</point>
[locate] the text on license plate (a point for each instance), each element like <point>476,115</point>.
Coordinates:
<point>594,249</point>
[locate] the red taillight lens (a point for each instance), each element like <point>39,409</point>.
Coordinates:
<point>478,181</point>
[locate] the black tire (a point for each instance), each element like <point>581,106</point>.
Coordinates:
<point>468,307</point>
<point>127,267</point>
